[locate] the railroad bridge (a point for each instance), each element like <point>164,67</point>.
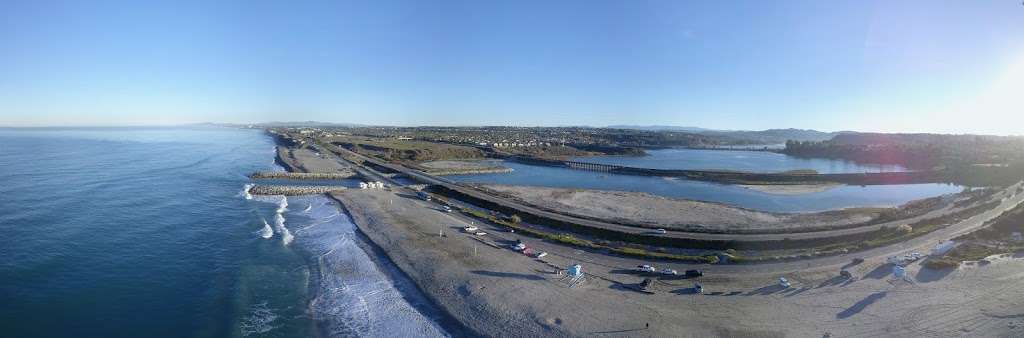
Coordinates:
<point>592,166</point>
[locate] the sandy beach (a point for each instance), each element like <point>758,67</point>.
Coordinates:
<point>492,289</point>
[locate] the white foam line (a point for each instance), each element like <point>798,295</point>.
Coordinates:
<point>245,191</point>
<point>267,232</point>
<point>286,236</point>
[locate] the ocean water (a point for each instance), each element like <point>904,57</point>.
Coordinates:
<point>149,233</point>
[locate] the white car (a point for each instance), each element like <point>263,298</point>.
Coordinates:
<point>784,282</point>
<point>541,254</point>
<point>519,247</point>
<point>660,231</point>
<point>481,233</point>
<point>446,208</point>
<point>471,229</point>
<point>646,268</point>
<point>669,272</point>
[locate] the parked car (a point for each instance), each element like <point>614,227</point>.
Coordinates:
<point>471,229</point>
<point>541,254</point>
<point>645,268</point>
<point>519,246</point>
<point>661,231</point>
<point>857,260</point>
<point>784,283</point>
<point>693,273</point>
<point>845,274</point>
<point>669,272</point>
<point>480,233</point>
<point>697,288</point>
<point>446,208</point>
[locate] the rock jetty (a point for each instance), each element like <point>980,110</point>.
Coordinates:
<point>293,190</point>
<point>300,176</point>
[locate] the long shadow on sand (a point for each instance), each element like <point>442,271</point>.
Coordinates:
<point>861,305</point>
<point>798,291</point>
<point>627,287</point>
<point>684,291</point>
<point>926,275</point>
<point>832,281</point>
<point>767,290</point>
<point>409,196</point>
<point>880,272</point>
<point>507,275</point>
<point>619,331</point>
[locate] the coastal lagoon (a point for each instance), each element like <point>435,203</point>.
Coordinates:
<point>832,198</point>
<point>148,233</point>
<point>738,160</point>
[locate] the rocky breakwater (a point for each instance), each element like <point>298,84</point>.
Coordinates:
<point>293,190</point>
<point>300,176</point>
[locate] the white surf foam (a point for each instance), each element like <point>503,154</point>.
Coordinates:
<point>245,191</point>
<point>267,232</point>
<point>259,321</point>
<point>286,236</point>
<point>282,206</point>
<point>355,297</point>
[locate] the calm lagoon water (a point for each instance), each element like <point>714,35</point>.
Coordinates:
<point>752,161</point>
<point>148,233</point>
<point>839,197</point>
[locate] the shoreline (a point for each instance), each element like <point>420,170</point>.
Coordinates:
<point>402,281</point>
<point>311,246</point>
<point>405,286</point>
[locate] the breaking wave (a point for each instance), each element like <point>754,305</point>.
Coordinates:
<point>245,191</point>
<point>286,236</point>
<point>259,321</point>
<point>267,232</point>
<point>283,205</point>
<point>355,297</point>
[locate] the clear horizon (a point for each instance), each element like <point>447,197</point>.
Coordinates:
<point>874,66</point>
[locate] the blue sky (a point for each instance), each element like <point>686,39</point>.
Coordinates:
<point>932,66</point>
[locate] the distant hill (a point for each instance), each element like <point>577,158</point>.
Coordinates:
<point>307,124</point>
<point>775,136</point>
<point>661,128</point>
